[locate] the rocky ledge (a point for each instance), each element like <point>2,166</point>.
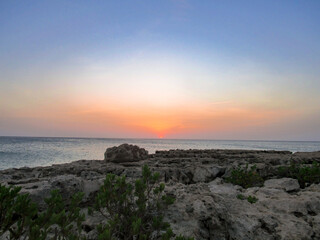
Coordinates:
<point>207,206</point>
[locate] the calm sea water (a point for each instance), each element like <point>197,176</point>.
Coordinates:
<point>33,151</point>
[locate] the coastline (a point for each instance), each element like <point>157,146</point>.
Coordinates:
<point>207,206</point>
<point>16,152</point>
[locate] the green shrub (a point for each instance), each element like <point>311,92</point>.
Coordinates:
<point>20,217</point>
<point>133,211</point>
<point>64,220</point>
<point>241,197</point>
<point>180,237</point>
<point>16,211</point>
<point>303,173</point>
<point>245,177</point>
<point>252,199</point>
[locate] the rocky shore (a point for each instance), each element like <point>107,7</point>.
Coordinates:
<point>207,206</point>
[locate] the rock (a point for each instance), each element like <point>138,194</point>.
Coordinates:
<point>207,174</point>
<point>38,191</point>
<point>306,157</point>
<point>201,174</point>
<point>217,171</point>
<point>315,221</point>
<point>206,207</point>
<point>287,184</point>
<point>226,189</point>
<point>90,223</point>
<point>66,184</point>
<point>90,187</point>
<point>125,153</point>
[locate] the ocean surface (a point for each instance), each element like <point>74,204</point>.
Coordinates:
<point>18,152</point>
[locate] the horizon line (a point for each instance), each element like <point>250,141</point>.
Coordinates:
<point>187,139</point>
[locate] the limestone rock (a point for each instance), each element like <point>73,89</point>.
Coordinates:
<point>206,207</point>
<point>38,191</point>
<point>125,153</point>
<point>287,184</point>
<point>201,174</point>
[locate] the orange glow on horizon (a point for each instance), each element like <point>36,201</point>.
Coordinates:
<point>152,121</point>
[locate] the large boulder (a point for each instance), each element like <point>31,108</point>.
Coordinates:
<point>287,184</point>
<point>125,153</point>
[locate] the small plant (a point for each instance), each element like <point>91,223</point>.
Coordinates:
<point>134,211</point>
<point>21,218</point>
<point>304,174</point>
<point>245,177</point>
<point>241,197</point>
<point>16,211</point>
<point>180,237</point>
<point>65,221</point>
<point>252,199</point>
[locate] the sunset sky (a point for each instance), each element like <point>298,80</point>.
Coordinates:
<point>160,69</point>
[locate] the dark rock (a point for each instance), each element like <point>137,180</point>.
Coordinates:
<point>125,153</point>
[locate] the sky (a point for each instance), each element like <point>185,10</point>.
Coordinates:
<point>160,69</point>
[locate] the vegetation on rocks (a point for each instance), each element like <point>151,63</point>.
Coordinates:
<point>20,217</point>
<point>16,211</point>
<point>250,199</point>
<point>206,209</point>
<point>241,197</point>
<point>132,211</point>
<point>245,177</point>
<point>305,174</point>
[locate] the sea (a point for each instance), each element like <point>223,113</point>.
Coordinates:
<point>17,152</point>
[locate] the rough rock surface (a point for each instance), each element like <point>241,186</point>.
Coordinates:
<point>125,153</point>
<point>287,184</point>
<point>206,207</point>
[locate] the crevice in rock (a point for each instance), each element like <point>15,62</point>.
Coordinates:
<point>298,214</point>
<point>87,228</point>
<point>312,213</point>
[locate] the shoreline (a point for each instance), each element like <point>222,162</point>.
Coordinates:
<point>33,152</point>
<point>207,205</point>
<point>175,150</point>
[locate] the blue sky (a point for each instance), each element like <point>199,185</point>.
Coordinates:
<point>249,55</point>
<point>278,30</point>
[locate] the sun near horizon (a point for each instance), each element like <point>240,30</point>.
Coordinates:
<point>169,69</point>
